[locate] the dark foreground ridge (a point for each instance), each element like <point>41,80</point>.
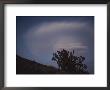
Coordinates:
<point>25,66</point>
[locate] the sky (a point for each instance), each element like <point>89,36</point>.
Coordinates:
<point>38,37</point>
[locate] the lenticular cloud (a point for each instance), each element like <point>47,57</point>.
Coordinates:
<point>49,37</point>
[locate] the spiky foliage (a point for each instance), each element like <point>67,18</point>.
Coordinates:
<point>69,63</point>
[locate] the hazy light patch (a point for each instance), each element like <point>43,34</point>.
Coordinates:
<point>68,43</point>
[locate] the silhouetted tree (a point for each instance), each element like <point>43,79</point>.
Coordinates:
<point>69,63</point>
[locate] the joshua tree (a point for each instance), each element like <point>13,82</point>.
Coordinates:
<point>69,63</point>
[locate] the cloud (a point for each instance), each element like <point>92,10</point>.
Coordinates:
<point>60,26</point>
<point>49,37</point>
<point>68,43</point>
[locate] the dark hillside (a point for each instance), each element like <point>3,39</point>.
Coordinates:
<point>25,66</point>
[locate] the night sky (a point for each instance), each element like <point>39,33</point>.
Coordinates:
<point>37,37</point>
